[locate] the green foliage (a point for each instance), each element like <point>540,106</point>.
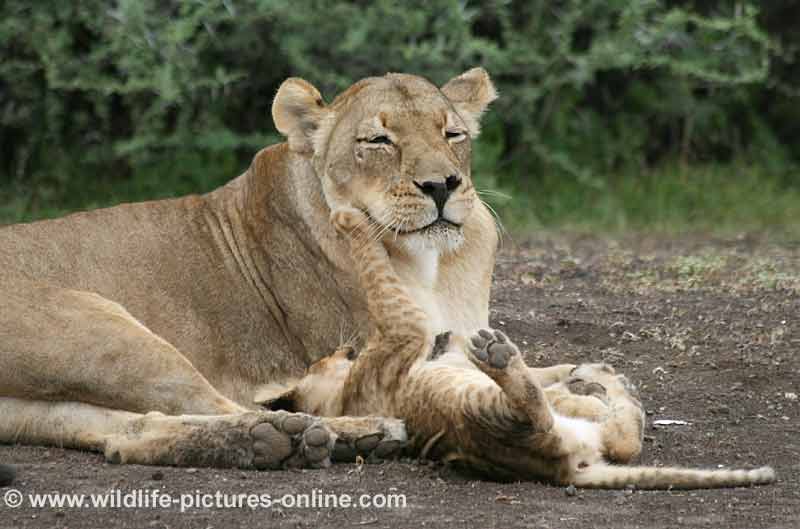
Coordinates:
<point>103,101</point>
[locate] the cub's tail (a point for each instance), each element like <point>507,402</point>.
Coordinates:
<point>604,476</point>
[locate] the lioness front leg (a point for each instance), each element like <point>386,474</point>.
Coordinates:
<point>260,440</point>
<point>371,438</point>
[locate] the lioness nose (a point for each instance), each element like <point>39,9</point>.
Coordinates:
<point>439,191</point>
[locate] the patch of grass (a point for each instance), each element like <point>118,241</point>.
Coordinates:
<point>769,267</point>
<point>697,267</point>
<point>771,274</point>
<point>721,199</point>
<point>69,186</point>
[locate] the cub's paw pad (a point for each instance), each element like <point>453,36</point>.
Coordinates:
<point>348,219</point>
<point>492,348</point>
<point>579,386</point>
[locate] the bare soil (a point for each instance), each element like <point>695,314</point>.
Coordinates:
<point>707,327</point>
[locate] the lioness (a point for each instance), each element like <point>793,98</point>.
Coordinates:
<point>199,307</point>
<point>491,414</point>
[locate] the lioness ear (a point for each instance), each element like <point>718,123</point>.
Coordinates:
<point>471,92</point>
<point>297,111</point>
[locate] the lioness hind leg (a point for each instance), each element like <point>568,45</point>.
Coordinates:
<point>494,354</point>
<point>76,346</point>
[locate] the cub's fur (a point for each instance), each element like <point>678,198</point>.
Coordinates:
<point>487,412</point>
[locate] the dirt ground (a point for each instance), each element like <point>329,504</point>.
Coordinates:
<point>707,327</point>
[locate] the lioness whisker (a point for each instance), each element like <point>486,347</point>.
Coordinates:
<point>493,193</point>
<point>502,232</point>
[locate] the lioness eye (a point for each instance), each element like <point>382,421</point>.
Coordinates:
<point>381,139</point>
<point>452,134</point>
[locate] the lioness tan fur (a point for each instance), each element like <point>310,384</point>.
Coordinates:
<point>151,330</point>
<point>493,415</point>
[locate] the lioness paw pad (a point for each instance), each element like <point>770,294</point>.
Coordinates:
<point>291,440</point>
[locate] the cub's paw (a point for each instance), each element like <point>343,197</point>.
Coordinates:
<point>580,386</point>
<point>492,351</point>
<point>601,381</point>
<point>347,220</point>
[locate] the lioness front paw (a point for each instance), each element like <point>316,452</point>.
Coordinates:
<point>492,350</point>
<point>347,220</point>
<point>372,438</point>
<point>310,442</point>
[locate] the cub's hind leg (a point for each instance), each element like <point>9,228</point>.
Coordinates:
<point>596,392</point>
<point>623,425</point>
<point>494,354</point>
<point>547,376</point>
<point>578,398</point>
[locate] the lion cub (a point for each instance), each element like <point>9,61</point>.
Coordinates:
<point>477,403</point>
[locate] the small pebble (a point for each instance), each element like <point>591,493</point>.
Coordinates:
<point>571,490</point>
<point>157,475</point>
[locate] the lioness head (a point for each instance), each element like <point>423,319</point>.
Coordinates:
<point>396,147</point>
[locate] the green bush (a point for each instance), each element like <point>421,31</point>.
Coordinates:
<point>102,102</point>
